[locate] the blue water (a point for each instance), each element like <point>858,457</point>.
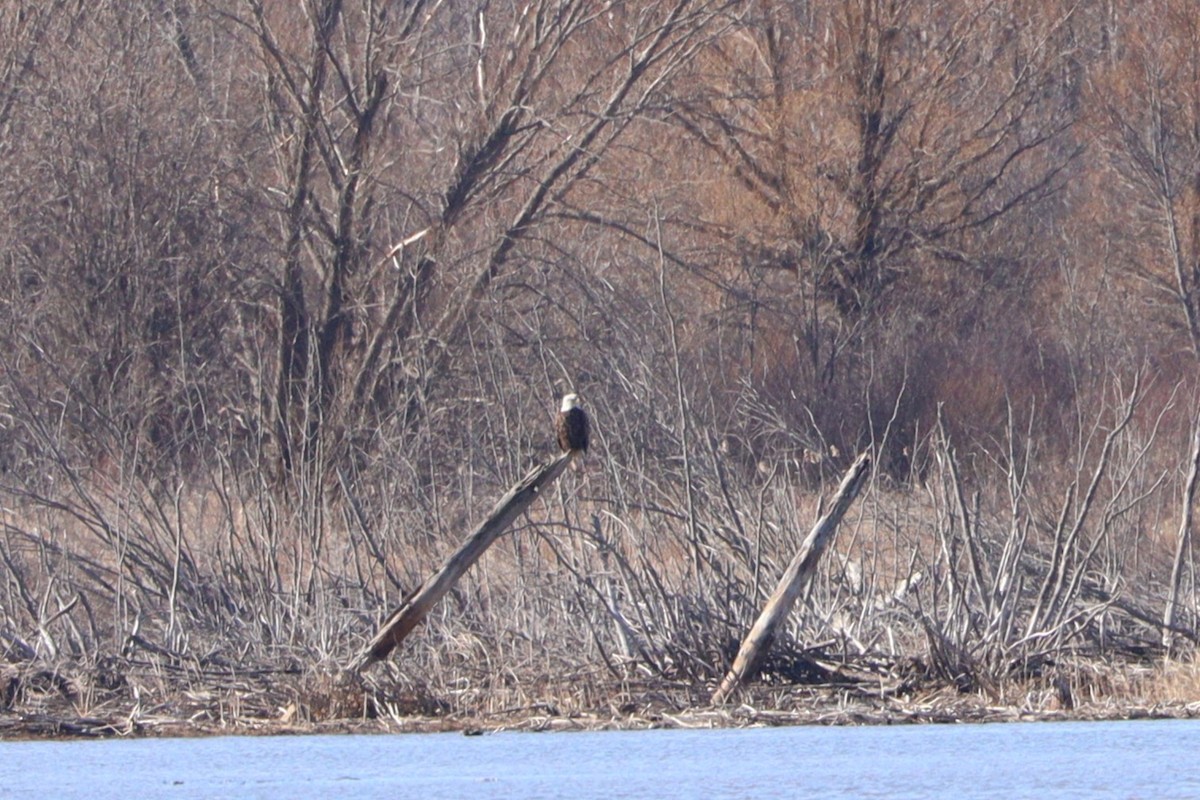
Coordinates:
<point>1152,760</point>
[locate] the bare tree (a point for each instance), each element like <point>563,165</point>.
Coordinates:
<point>876,151</point>
<point>1149,127</point>
<point>410,165</point>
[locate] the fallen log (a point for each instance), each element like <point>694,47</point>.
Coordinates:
<point>414,608</point>
<point>793,582</point>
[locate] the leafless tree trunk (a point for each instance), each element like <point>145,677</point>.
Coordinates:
<point>401,621</point>
<point>1183,538</point>
<point>797,576</point>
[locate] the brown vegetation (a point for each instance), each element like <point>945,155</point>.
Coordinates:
<point>290,291</point>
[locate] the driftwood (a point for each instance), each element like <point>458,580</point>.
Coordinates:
<point>793,582</point>
<point>414,608</point>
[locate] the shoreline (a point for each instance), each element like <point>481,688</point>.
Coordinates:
<point>759,707</point>
<point>126,697</point>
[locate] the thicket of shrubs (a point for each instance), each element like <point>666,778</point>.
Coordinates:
<point>290,291</point>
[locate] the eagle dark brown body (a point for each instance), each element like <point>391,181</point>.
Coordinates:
<point>571,426</point>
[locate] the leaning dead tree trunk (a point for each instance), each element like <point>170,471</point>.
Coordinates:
<point>1183,540</point>
<point>795,578</point>
<point>414,608</point>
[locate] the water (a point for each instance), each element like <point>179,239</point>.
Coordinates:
<point>1061,760</point>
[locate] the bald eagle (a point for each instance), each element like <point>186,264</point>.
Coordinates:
<point>571,426</point>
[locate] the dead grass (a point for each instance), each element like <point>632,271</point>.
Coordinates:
<point>138,698</point>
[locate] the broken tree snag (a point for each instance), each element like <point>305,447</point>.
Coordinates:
<point>414,608</point>
<point>794,579</point>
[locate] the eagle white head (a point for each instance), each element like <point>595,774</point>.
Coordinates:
<point>568,402</point>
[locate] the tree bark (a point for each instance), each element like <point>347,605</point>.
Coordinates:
<point>793,582</point>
